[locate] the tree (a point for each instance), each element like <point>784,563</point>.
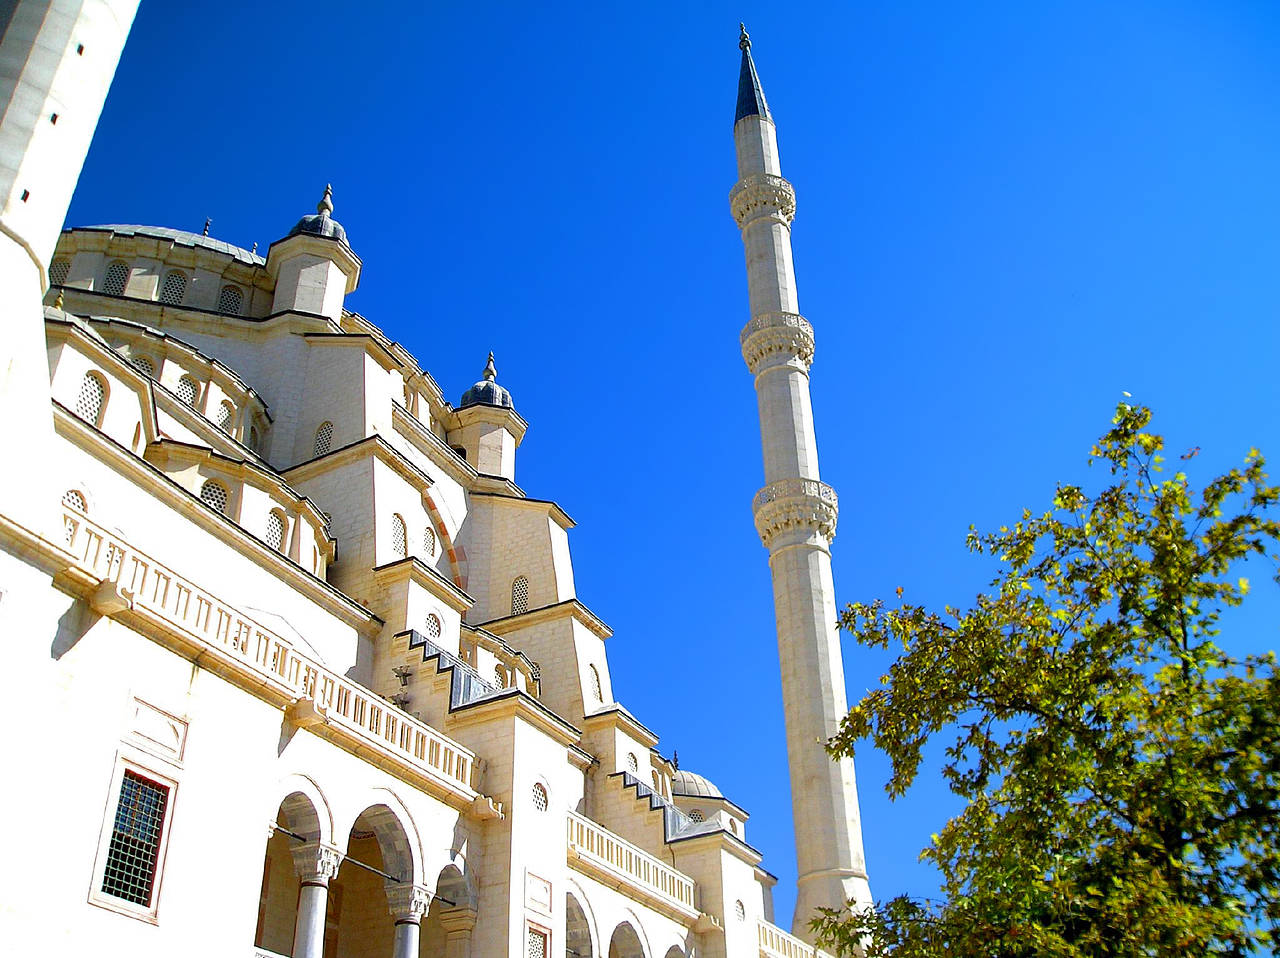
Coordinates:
<point>1121,769</point>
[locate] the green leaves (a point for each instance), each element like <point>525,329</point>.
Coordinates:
<point>1121,770</point>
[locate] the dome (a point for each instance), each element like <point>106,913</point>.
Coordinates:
<point>487,392</point>
<point>693,785</point>
<point>320,223</point>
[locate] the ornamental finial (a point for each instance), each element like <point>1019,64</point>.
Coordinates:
<point>57,303</point>
<point>744,38</point>
<point>325,206</point>
<point>490,373</point>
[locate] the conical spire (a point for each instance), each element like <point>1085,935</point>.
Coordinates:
<point>490,373</point>
<point>751,100</point>
<point>325,206</point>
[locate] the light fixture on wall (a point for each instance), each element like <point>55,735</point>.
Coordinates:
<point>402,672</point>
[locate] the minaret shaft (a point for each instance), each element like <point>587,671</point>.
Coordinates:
<point>795,514</point>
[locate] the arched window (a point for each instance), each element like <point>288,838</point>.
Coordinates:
<point>188,390</point>
<point>595,683</point>
<point>540,797</point>
<point>174,288</point>
<point>657,782</point>
<point>429,542</point>
<point>226,416</point>
<point>92,398</point>
<point>144,365</point>
<point>733,826</point>
<point>58,271</point>
<point>117,277</point>
<point>697,816</point>
<point>520,595</point>
<point>499,676</point>
<point>324,438</point>
<point>74,499</point>
<point>740,910</point>
<point>230,300</point>
<point>633,764</point>
<point>275,529</point>
<point>399,541</point>
<point>432,626</point>
<point>215,495</point>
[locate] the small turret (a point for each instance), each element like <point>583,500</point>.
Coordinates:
<point>487,429</point>
<point>313,266</point>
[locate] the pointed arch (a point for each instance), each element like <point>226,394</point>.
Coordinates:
<point>457,557</point>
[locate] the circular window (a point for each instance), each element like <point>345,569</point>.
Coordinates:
<point>633,765</point>
<point>432,626</point>
<point>539,797</point>
<point>740,910</point>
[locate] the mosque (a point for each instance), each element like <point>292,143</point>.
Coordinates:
<point>297,667</point>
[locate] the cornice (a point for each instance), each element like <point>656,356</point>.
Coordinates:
<point>427,442</point>
<point>545,506</point>
<point>616,716</point>
<point>513,704</point>
<point>370,446</point>
<point>416,571</point>
<point>370,344</point>
<point>568,609</point>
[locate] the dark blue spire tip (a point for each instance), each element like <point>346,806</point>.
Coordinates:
<point>751,101</point>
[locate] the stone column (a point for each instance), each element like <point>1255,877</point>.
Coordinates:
<point>458,924</point>
<point>315,864</point>
<point>408,903</point>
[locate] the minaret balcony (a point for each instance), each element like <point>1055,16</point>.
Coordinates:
<point>800,508</point>
<point>776,337</point>
<point>762,194</point>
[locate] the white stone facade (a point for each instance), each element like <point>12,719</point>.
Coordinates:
<point>303,670</point>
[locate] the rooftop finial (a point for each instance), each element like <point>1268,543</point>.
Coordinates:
<point>57,303</point>
<point>744,38</point>
<point>490,373</point>
<point>751,100</point>
<point>325,206</point>
<point>208,220</point>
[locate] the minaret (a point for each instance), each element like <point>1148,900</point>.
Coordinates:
<point>795,514</point>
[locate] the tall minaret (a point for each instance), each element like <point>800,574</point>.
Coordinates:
<point>795,514</point>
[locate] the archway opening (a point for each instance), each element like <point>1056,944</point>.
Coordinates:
<point>452,900</point>
<point>625,943</point>
<point>358,920</point>
<point>296,823</point>
<point>577,933</point>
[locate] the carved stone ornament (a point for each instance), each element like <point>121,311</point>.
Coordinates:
<point>408,902</point>
<point>787,335</point>
<point>316,862</point>
<point>791,504</point>
<point>762,194</point>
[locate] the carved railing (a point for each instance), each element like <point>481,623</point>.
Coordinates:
<point>598,850</point>
<point>130,580</point>
<point>776,943</point>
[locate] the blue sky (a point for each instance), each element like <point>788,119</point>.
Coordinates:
<point>1009,213</point>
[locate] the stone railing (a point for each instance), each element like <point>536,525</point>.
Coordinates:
<point>765,194</point>
<point>129,581</point>
<point>776,943</point>
<point>776,336</point>
<point>603,854</point>
<point>795,507</point>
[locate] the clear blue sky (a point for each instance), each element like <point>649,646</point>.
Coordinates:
<point>1009,213</point>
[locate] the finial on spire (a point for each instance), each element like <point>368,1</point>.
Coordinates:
<point>57,303</point>
<point>208,220</point>
<point>744,38</point>
<point>490,373</point>
<point>751,100</point>
<point>325,206</point>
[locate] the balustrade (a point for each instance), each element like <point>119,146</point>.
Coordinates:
<point>601,850</point>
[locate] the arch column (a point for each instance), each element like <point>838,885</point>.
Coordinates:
<point>315,863</point>
<point>408,903</point>
<point>458,923</point>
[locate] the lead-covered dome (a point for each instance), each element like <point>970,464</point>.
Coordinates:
<point>693,785</point>
<point>321,222</point>
<point>487,392</point>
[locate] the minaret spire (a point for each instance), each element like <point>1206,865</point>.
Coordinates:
<point>795,514</point>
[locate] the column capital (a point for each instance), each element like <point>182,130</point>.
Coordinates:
<point>315,862</point>
<point>773,337</point>
<point>806,506</point>
<point>407,901</point>
<point>762,195</point>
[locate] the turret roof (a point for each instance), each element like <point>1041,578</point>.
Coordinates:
<point>751,100</point>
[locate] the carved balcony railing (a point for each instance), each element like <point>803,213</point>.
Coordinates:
<point>130,582</point>
<point>599,852</point>
<point>776,943</point>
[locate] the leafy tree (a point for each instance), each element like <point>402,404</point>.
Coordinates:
<point>1121,769</point>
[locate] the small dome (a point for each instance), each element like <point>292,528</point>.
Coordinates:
<point>487,392</point>
<point>693,785</point>
<point>321,223</point>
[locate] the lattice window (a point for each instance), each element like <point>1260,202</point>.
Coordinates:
<point>215,495</point>
<point>740,910</point>
<point>633,764</point>
<point>275,530</point>
<point>58,271</point>
<point>520,595</point>
<point>188,390</point>
<point>117,277</point>
<point>226,416</point>
<point>144,365</point>
<point>134,849</point>
<point>429,542</point>
<point>595,683</point>
<point>539,797</point>
<point>500,676</point>
<point>697,816</point>
<point>399,540</point>
<point>174,288</point>
<point>230,300</point>
<point>93,395</point>
<point>537,944</point>
<point>74,499</point>
<point>324,438</point>
<point>432,626</point>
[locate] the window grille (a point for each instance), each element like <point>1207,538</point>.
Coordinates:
<point>537,944</point>
<point>595,683</point>
<point>633,764</point>
<point>214,494</point>
<point>226,417</point>
<point>58,271</point>
<point>230,300</point>
<point>135,840</point>
<point>399,541</point>
<point>324,438</point>
<point>74,499</point>
<point>697,816</point>
<point>520,595</point>
<point>174,288</point>
<point>93,392</point>
<point>275,530</point>
<point>144,365</point>
<point>539,797</point>
<point>429,542</point>
<point>188,390</point>
<point>432,626</point>
<point>117,277</point>
<point>740,910</point>
<point>500,676</point>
